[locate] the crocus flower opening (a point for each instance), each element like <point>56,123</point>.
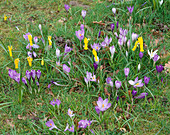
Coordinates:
<point>10,50</point>
<point>67,49</point>
<point>67,126</point>
<point>152,54</point>
<point>102,105</point>
<point>29,61</point>
<point>112,50</point>
<point>107,40</point>
<point>38,75</point>
<point>95,66</point>
<point>70,113</point>
<point>66,68</point>
<point>146,80</point>
<point>83,13</point>
<point>33,74</point>
<point>50,124</point>
<point>16,62</point>
<point>58,102</point>
<point>136,83</point>
<point>112,26</point>
<point>66,7</point>
<point>80,34</point>
<point>140,55</point>
<point>53,103</point>
<point>71,128</point>
<point>84,123</point>
<point>142,95</point>
<point>159,68</point>
<point>96,46</point>
<point>114,10</point>
<point>130,9</point>
<point>109,81</point>
<point>126,71</point>
<point>118,84</point>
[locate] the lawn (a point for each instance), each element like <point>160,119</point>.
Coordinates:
<point>84,67</point>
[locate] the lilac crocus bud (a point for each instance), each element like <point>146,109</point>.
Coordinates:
<point>95,66</point>
<point>142,95</point>
<point>134,93</point>
<point>128,43</point>
<point>35,40</point>
<point>40,27</point>
<point>109,81</point>
<point>24,81</point>
<point>156,58</point>
<point>130,9</point>
<point>34,54</point>
<point>114,10</point>
<point>37,83</point>
<point>126,71</point>
<point>99,34</point>
<point>82,27</point>
<point>112,26</point>
<point>28,75</point>
<point>126,54</point>
<point>83,13</point>
<point>118,84</point>
<point>66,7</point>
<point>49,85</point>
<point>66,68</point>
<point>117,98</point>
<point>33,74</point>
<point>159,68</point>
<point>141,55</point>
<point>146,80</point>
<point>57,53</point>
<point>112,50</point>
<point>38,74</point>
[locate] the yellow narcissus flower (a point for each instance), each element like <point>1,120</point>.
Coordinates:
<point>16,62</point>
<point>10,50</point>
<point>30,40</point>
<point>29,61</point>
<point>49,40</point>
<point>136,44</point>
<point>42,61</point>
<point>5,17</point>
<point>86,43</point>
<point>94,52</point>
<point>140,39</point>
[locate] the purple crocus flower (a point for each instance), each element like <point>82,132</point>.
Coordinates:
<point>159,68</point>
<point>130,9</point>
<point>99,34</point>
<point>83,13</point>
<point>156,58</point>
<point>66,7</point>
<point>141,55</point>
<point>109,81</point>
<point>67,49</point>
<point>96,46</point>
<point>58,102</point>
<point>103,44</point>
<point>38,74</point>
<point>28,75</point>
<point>143,4</point>
<point>95,66</point>
<point>102,105</point>
<point>117,98</point>
<point>49,85</point>
<point>120,41</point>
<point>93,78</point>
<point>146,80</point>
<point>112,50</point>
<point>26,36</point>
<point>70,113</point>
<point>66,68</point>
<point>112,26</point>
<point>136,83</point>
<point>118,84</point>
<point>84,123</point>
<point>53,103</point>
<point>80,34</point>
<point>34,54</point>
<point>37,83</point>
<point>82,27</point>
<point>126,71</point>
<point>71,129</point>
<point>92,131</point>
<point>14,75</point>
<point>142,95</point>
<point>33,74</point>
<point>24,81</point>
<point>51,124</point>
<point>57,53</point>
<point>134,93</point>
<point>117,24</point>
<point>107,40</point>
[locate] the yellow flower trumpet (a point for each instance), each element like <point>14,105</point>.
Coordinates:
<point>29,61</point>
<point>16,62</point>
<point>86,43</point>
<point>10,50</point>
<point>42,61</point>
<point>5,17</point>
<point>30,40</point>
<point>49,40</point>
<point>139,41</point>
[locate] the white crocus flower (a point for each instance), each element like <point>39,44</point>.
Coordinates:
<point>114,10</point>
<point>152,54</point>
<point>161,2</point>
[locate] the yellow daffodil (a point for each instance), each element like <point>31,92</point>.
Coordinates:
<point>96,58</point>
<point>30,40</point>
<point>5,17</point>
<point>42,61</point>
<point>94,52</point>
<point>29,61</point>
<point>10,50</point>
<point>86,43</point>
<point>16,62</point>
<point>136,44</point>
<point>49,40</point>
<point>140,39</point>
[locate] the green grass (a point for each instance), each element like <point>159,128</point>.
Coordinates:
<point>143,116</point>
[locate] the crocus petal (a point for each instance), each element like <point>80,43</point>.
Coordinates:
<point>131,82</point>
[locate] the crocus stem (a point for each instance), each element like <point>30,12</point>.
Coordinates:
<point>20,94</point>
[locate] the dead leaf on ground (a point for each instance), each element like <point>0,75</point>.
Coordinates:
<point>10,123</point>
<point>167,66</point>
<point>100,23</point>
<point>106,92</point>
<point>21,117</point>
